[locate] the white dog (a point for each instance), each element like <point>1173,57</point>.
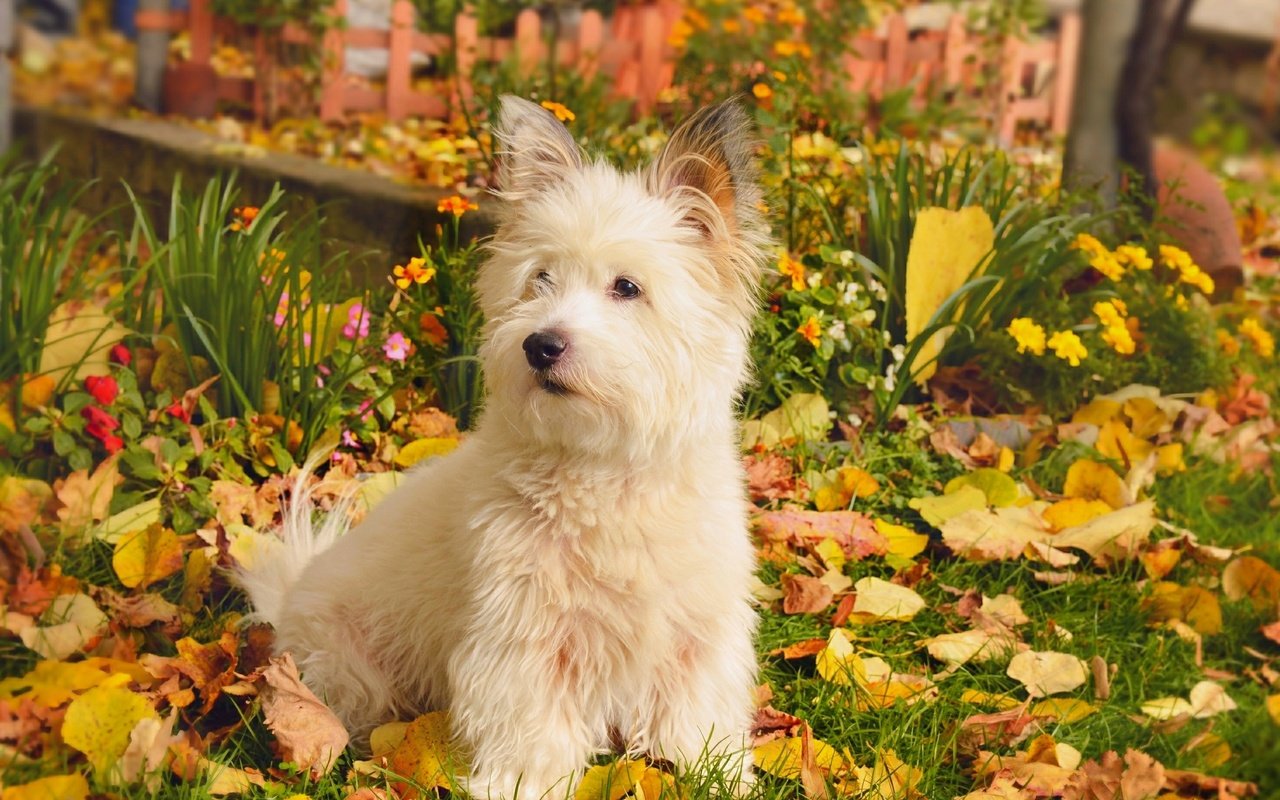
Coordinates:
<point>577,571</point>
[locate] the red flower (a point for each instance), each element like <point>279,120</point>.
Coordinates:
<point>121,355</point>
<point>100,426</point>
<point>177,409</point>
<point>103,388</point>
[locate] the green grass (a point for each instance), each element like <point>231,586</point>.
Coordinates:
<point>1103,613</point>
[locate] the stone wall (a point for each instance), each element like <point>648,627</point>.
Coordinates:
<point>376,221</point>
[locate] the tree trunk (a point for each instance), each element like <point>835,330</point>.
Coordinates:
<point>1159,23</point>
<point>1091,162</point>
<point>153,55</point>
<point>6,76</point>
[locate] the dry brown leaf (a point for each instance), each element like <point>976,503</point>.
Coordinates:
<point>1196,606</point>
<point>805,594</point>
<point>1251,577</point>
<point>86,498</point>
<point>309,733</point>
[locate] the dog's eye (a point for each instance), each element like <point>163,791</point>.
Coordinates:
<point>625,289</point>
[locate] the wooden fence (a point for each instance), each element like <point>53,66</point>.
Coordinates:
<point>1035,78</point>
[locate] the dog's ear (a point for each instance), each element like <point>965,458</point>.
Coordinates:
<point>536,149</point>
<point>711,155</point>
<point>708,170</point>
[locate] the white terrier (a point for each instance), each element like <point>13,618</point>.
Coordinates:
<point>577,571</point>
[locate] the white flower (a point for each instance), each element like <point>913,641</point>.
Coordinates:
<point>815,279</point>
<point>837,331</point>
<point>877,289</point>
<point>868,316</point>
<point>855,420</point>
<point>898,352</point>
<point>846,258</point>
<point>849,290</point>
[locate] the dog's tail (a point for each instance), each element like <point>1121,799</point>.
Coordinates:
<point>269,576</point>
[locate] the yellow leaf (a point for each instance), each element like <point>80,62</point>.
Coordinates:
<point>1166,708</point>
<point>52,683</point>
<point>1146,417</point>
<point>999,489</point>
<point>54,787</point>
<point>1251,577</point>
<point>37,390</point>
<point>1116,441</point>
<point>946,247</point>
<point>938,510</point>
<point>374,490</point>
<point>1064,710</point>
<point>1099,412</point>
<point>610,781</point>
<point>783,758</point>
<point>131,519</point>
<point>22,501</point>
<point>878,599</point>
<point>1273,708</point>
<point>1045,673</point>
<point>98,724</point>
<point>980,698</point>
<point>802,417</point>
<point>656,785</point>
<point>146,556</point>
<point>386,738</point>
<point>1074,511</point>
<point>422,449</point>
<point>1169,459</point>
<point>831,553</point>
<point>223,779</point>
<point>1090,480</point>
<point>904,543</point>
<point>858,482</point>
<point>1160,561</point>
<point>979,644</point>
<point>1210,749</point>
<point>424,754</point>
<point>838,663</point>
<point>1193,605</point>
<point>79,339</point>
<point>70,623</point>
<point>1006,458</point>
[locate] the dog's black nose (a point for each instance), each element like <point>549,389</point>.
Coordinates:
<point>544,348</point>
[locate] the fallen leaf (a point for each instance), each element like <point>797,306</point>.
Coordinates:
<point>99,723</point>
<point>78,340</point>
<point>134,518</point>
<point>22,501</point>
<point>783,758</point>
<point>805,594</point>
<point>424,754</point>
<point>309,733</point>
<point>1273,708</point>
<point>904,544</point>
<point>224,779</point>
<point>1113,536</point>
<point>53,787</point>
<point>940,509</point>
<point>1208,699</point>
<point>143,557</point>
<point>802,417</point>
<point>148,749</point>
<point>1167,708</point>
<point>1090,480</point>
<point>1194,605</point>
<point>973,645</point>
<point>877,599</point>
<point>52,683</point>
<point>1188,783</point>
<point>838,663</point>
<point>611,781</point>
<point>1251,577</point>
<point>387,737</point>
<point>1074,511</point>
<point>86,498</point>
<point>1064,710</point>
<point>855,533</point>
<point>1045,673</point>
<point>997,487</point>
<point>425,449</point>
<point>71,622</point>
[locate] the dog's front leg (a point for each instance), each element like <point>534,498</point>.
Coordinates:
<point>703,704</point>
<point>523,726</point>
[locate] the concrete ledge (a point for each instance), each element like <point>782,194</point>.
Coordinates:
<point>375,220</point>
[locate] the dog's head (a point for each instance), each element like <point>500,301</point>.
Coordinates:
<point>619,305</point>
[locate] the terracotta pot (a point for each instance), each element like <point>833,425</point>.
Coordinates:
<point>190,90</point>
<point>1198,215</point>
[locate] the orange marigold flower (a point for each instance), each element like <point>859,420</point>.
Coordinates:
<point>244,217</point>
<point>792,269</point>
<point>754,14</point>
<point>762,91</point>
<point>432,329</point>
<point>811,330</point>
<point>561,111</point>
<point>787,48</point>
<point>456,205</point>
<point>416,271</point>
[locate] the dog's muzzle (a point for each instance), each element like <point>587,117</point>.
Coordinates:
<point>543,349</point>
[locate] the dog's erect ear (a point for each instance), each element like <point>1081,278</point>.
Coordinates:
<point>536,149</point>
<point>710,156</point>
<point>708,171</point>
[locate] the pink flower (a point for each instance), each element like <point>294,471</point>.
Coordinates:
<point>349,439</point>
<point>282,309</point>
<point>396,347</point>
<point>366,410</point>
<point>357,326</point>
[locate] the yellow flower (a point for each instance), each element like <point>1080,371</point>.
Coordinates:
<point>731,26</point>
<point>456,205</point>
<point>787,48</point>
<point>1134,256</point>
<point>562,113</point>
<point>792,269</point>
<point>1175,258</point>
<point>1028,335</point>
<point>811,330</point>
<point>1264,344</point>
<point>779,76</point>
<point>1109,312</point>
<point>1066,345</point>
<point>791,15</point>
<point>1229,344</point>
<point>754,14</point>
<point>1120,339</point>
<point>1100,258</point>
<point>416,271</point>
<point>762,91</point>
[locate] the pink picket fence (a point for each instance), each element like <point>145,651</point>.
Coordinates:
<point>1035,78</point>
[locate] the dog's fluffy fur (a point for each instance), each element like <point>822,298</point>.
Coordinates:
<point>577,571</point>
